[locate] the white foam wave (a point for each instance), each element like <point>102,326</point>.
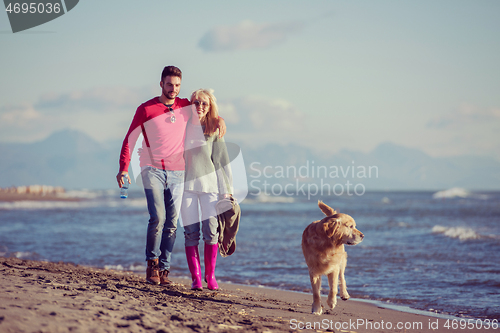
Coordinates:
<point>141,203</point>
<point>28,204</point>
<point>82,194</point>
<point>462,233</point>
<point>126,203</point>
<point>456,192</point>
<point>39,204</point>
<point>25,255</point>
<point>273,199</point>
<point>134,268</point>
<point>114,267</point>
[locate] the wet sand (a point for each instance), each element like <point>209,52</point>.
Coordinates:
<point>40,296</point>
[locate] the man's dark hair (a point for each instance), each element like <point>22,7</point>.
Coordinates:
<point>171,71</point>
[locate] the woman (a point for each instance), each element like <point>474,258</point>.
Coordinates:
<point>208,177</point>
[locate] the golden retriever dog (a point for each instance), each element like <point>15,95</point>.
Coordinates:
<point>323,247</point>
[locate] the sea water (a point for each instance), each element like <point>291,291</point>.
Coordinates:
<point>438,252</point>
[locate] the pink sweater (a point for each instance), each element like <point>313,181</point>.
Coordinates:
<point>163,144</point>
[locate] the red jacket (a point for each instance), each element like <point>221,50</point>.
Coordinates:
<point>163,141</point>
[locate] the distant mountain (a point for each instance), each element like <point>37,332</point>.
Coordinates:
<point>74,160</point>
<point>387,167</point>
<point>68,158</point>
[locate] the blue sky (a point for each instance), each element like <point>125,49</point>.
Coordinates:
<point>329,75</point>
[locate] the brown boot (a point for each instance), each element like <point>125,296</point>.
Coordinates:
<point>153,272</point>
<point>164,278</point>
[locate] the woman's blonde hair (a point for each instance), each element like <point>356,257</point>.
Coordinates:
<point>211,119</point>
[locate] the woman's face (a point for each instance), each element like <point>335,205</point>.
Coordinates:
<point>202,105</point>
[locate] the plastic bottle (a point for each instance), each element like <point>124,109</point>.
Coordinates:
<point>124,188</point>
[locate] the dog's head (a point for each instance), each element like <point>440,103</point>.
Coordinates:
<point>341,228</point>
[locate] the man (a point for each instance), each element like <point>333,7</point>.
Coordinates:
<point>162,122</point>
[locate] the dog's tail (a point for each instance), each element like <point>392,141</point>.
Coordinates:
<point>327,210</point>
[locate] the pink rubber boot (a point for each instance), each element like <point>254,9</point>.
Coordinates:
<point>193,259</point>
<point>210,260</point>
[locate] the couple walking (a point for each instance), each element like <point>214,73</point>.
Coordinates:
<point>184,165</point>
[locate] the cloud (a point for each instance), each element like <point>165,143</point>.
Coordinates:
<point>21,123</point>
<point>18,115</point>
<point>465,115</point>
<point>254,113</point>
<point>259,120</point>
<point>468,129</point>
<point>101,99</point>
<point>248,35</point>
<point>103,113</point>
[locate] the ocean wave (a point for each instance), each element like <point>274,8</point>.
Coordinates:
<point>25,255</point>
<point>46,205</point>
<point>32,204</point>
<point>462,233</point>
<point>127,203</point>
<point>458,192</point>
<point>132,267</point>
<point>83,194</point>
<point>265,198</point>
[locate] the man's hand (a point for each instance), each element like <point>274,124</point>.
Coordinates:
<point>222,127</point>
<point>119,178</point>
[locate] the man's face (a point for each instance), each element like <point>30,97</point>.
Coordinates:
<point>171,86</point>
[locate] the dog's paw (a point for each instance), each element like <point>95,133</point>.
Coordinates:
<point>345,296</point>
<point>317,309</point>
<point>331,301</point>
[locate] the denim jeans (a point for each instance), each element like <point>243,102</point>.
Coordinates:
<point>191,217</point>
<point>163,189</point>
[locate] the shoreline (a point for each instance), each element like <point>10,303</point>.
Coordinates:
<point>15,197</point>
<point>386,305</point>
<point>53,297</point>
<point>379,303</point>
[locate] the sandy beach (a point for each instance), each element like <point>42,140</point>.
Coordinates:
<point>60,297</point>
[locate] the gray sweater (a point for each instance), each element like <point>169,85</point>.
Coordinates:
<point>207,162</point>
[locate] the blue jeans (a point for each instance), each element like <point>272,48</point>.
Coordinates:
<point>191,217</point>
<point>163,190</point>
